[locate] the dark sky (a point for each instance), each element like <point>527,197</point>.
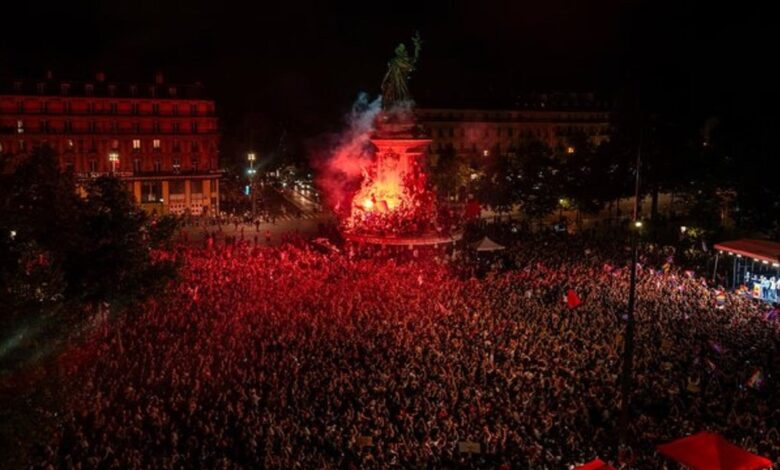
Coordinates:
<point>300,65</point>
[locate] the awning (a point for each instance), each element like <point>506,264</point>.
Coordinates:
<point>710,451</point>
<point>761,250</point>
<point>487,244</point>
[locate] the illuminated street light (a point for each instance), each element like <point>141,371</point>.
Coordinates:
<point>113,157</point>
<point>683,229</point>
<point>252,172</point>
<point>638,224</point>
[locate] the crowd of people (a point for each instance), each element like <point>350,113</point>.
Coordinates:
<point>307,357</point>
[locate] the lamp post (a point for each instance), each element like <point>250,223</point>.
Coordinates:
<point>113,157</point>
<point>626,382</point>
<point>251,159</point>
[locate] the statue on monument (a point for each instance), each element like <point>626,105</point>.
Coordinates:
<point>394,85</point>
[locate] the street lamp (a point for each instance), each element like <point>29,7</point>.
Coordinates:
<point>251,159</point>
<point>113,157</point>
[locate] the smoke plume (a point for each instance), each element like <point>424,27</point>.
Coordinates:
<point>340,168</point>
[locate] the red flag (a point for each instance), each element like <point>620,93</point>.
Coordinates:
<point>572,299</point>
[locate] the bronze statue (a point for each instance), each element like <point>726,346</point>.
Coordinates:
<point>394,87</point>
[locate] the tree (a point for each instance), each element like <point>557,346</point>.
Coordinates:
<point>583,177</point>
<point>538,187</point>
<point>498,187</point>
<point>57,246</point>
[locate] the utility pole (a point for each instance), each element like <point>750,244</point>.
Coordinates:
<point>628,337</point>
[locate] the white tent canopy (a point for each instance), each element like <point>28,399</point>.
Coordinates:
<point>487,244</point>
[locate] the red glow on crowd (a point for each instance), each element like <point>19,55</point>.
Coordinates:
<point>392,198</point>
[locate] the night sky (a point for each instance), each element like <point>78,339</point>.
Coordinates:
<point>297,67</point>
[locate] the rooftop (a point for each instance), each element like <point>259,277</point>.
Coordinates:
<point>101,87</point>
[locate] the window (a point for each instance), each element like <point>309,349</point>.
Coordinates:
<point>114,144</point>
<point>68,126</point>
<point>69,145</point>
<point>93,166</point>
<point>157,166</point>
<point>136,165</point>
<point>20,127</point>
<point>195,147</point>
<point>156,144</point>
<point>65,88</point>
<point>133,92</point>
<point>1,147</point>
<point>196,187</point>
<point>176,127</point>
<point>113,108</point>
<point>194,127</point>
<point>176,164</point>
<point>193,110</point>
<point>41,88</point>
<point>136,145</point>
<point>176,146</point>
<point>112,90</point>
<point>172,91</point>
<point>175,109</point>
<point>151,191</point>
<point>89,89</point>
<point>176,187</point>
<point>134,108</point>
<point>194,164</point>
<point>155,108</point>
<point>21,145</point>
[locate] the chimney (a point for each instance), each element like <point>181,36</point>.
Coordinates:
<point>100,76</point>
<point>159,78</point>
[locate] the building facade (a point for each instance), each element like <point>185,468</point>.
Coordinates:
<point>161,138</point>
<point>552,118</point>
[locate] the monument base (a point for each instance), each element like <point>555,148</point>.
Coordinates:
<point>420,240</point>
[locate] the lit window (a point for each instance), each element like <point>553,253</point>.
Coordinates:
<point>570,149</point>
<point>136,144</point>
<point>156,144</point>
<point>21,146</point>
<point>20,127</point>
<point>70,144</point>
<point>485,153</point>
